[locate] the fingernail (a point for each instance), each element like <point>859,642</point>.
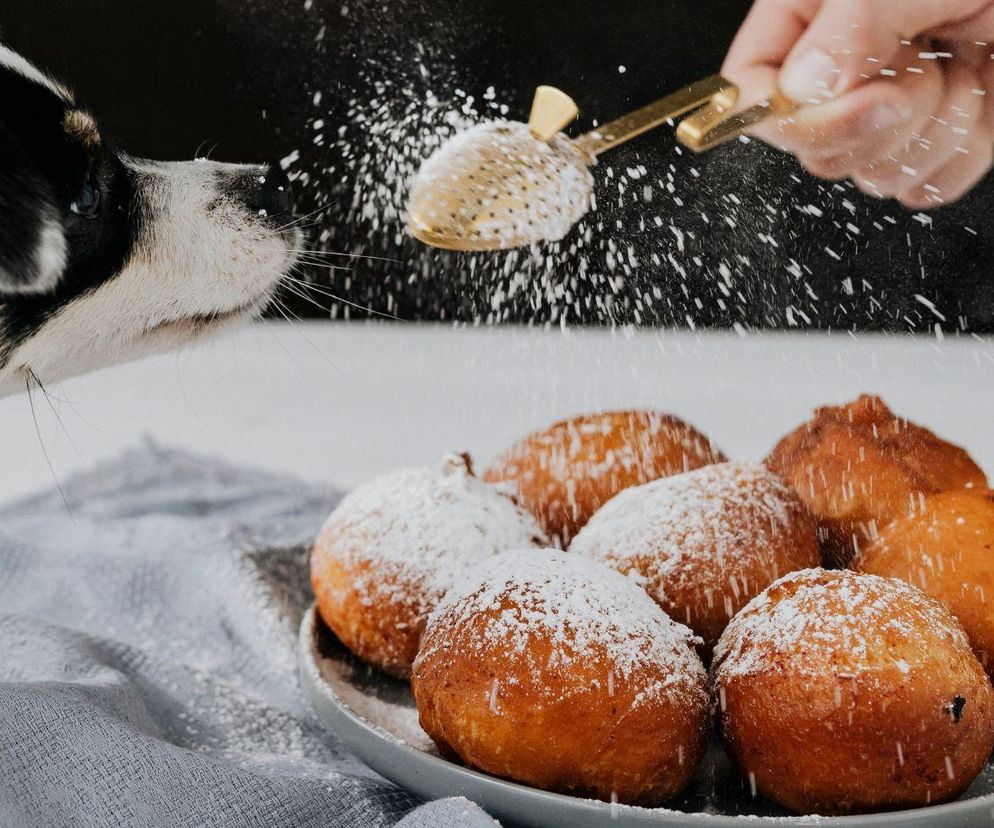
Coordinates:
<point>883,116</point>
<point>811,78</point>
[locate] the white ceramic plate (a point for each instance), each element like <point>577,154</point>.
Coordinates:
<point>374,715</point>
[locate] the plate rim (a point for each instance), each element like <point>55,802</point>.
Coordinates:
<point>357,732</point>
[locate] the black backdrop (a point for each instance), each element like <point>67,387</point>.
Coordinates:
<point>239,79</point>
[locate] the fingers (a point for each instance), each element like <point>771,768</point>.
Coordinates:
<point>974,29</point>
<point>814,50</point>
<point>931,158</point>
<point>985,91</point>
<point>870,123</point>
<point>846,36</point>
<point>954,180</point>
<point>956,116</point>
<point>955,121</point>
<point>872,108</point>
<point>973,153</point>
<point>864,124</point>
<point>770,31</point>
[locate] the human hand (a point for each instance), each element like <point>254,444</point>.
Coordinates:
<point>897,95</point>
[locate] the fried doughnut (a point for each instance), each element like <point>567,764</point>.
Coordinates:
<point>945,549</point>
<point>704,542</point>
<point>859,466</point>
<point>566,472</point>
<point>393,547</point>
<point>555,671</point>
<point>841,693</point>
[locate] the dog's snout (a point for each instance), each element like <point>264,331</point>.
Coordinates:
<point>272,195</point>
<point>263,190</point>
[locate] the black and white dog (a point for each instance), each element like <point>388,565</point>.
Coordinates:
<point>105,258</point>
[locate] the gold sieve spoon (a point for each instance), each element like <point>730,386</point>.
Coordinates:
<point>507,184</point>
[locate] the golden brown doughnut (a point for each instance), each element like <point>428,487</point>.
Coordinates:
<point>555,671</point>
<point>839,692</point>
<point>858,466</point>
<point>393,546</point>
<point>566,472</point>
<point>704,542</point>
<point>946,549</point>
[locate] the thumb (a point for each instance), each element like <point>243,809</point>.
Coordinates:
<point>849,41</point>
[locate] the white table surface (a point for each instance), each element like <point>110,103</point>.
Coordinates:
<point>343,402</point>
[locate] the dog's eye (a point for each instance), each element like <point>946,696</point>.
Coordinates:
<point>87,203</point>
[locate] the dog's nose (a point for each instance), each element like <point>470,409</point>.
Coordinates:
<point>271,195</point>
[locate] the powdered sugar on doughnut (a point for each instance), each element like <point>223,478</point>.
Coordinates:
<point>709,513</point>
<point>423,528</point>
<point>581,607</point>
<point>848,622</point>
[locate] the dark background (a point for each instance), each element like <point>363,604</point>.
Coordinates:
<point>777,249</point>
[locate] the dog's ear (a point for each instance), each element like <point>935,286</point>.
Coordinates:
<point>32,238</point>
<point>39,162</point>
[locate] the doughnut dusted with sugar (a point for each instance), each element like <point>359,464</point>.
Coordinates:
<point>395,545</point>
<point>945,549</point>
<point>555,671</point>
<point>859,466</point>
<point>568,471</point>
<point>839,692</point>
<point>704,542</point>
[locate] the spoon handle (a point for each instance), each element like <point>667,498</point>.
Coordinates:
<point>713,125</point>
<point>711,90</point>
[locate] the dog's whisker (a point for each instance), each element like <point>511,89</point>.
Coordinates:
<point>281,307</point>
<point>41,441</point>
<point>351,256</point>
<point>285,312</point>
<point>301,295</point>
<point>311,300</point>
<point>306,253</point>
<point>324,266</point>
<point>330,268</point>
<point>322,290</point>
<point>297,287</point>
<point>200,146</point>
<point>279,341</point>
<point>299,219</point>
<point>58,417</point>
<point>342,300</point>
<point>305,226</point>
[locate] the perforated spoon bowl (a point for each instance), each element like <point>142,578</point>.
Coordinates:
<point>507,184</point>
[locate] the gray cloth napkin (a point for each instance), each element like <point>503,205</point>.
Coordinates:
<point>147,658</point>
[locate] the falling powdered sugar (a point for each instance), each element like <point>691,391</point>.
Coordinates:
<point>738,238</point>
<point>554,612</point>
